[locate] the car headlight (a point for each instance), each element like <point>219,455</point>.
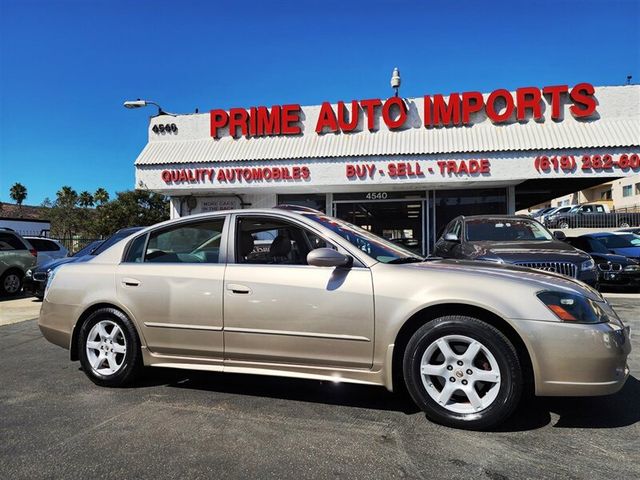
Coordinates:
<point>632,268</point>
<point>571,307</point>
<point>51,273</point>
<point>588,265</point>
<point>29,273</point>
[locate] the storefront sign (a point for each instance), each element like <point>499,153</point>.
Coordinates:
<point>236,174</point>
<point>456,110</point>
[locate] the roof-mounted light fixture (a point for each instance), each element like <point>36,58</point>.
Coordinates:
<point>395,80</point>
<point>144,103</point>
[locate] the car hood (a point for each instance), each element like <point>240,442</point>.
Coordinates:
<point>611,257</point>
<point>632,252</point>
<point>538,278</point>
<point>547,250</point>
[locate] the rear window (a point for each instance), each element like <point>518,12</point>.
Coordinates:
<point>11,242</point>
<point>43,245</point>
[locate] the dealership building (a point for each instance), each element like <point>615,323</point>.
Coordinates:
<point>400,167</point>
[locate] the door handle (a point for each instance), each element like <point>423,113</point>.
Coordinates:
<point>239,289</point>
<point>130,282</point>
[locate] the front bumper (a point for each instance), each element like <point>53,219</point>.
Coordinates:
<point>620,278</point>
<point>577,359</point>
<point>33,287</point>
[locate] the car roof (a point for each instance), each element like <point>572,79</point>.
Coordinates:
<point>495,217</point>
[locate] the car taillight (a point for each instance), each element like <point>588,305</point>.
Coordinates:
<point>34,252</point>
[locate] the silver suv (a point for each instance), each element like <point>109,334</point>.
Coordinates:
<point>17,256</point>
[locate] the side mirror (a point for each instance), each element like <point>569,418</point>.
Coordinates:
<point>328,257</point>
<point>451,237</point>
<point>559,235</point>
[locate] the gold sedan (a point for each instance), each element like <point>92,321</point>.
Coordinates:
<point>293,292</point>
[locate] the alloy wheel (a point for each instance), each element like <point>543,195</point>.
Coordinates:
<point>460,374</point>
<point>11,283</point>
<point>106,347</point>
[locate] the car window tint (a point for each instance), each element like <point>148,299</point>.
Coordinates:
<point>266,240</point>
<point>135,252</point>
<point>42,245</point>
<point>197,242</point>
<point>10,242</point>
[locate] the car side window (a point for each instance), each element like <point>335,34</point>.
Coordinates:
<point>197,242</point>
<point>267,240</point>
<point>10,242</point>
<point>42,245</point>
<point>135,252</point>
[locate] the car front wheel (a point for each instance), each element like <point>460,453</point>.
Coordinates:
<point>11,283</point>
<point>109,348</point>
<point>463,372</point>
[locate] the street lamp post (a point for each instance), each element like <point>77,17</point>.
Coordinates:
<point>144,103</point>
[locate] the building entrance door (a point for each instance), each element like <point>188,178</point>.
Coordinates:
<point>400,218</point>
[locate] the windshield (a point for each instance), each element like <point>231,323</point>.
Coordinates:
<point>374,246</point>
<point>505,230</point>
<point>625,240</point>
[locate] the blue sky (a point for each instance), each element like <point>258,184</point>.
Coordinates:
<point>67,66</point>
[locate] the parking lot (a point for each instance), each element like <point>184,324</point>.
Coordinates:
<point>55,423</point>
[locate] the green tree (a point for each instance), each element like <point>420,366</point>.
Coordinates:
<point>101,196</point>
<point>18,194</point>
<point>85,199</point>
<point>129,209</point>
<point>67,219</point>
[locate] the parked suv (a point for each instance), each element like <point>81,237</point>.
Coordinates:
<point>48,248</point>
<point>517,240</point>
<point>17,256</point>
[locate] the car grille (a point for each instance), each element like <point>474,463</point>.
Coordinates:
<point>609,267</point>
<point>40,276</point>
<point>565,268</point>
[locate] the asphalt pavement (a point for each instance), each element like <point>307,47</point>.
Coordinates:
<point>55,423</point>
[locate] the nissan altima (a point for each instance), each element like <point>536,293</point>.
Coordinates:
<point>293,292</point>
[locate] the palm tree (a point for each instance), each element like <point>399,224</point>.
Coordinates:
<point>18,194</point>
<point>101,196</point>
<point>67,197</point>
<point>85,199</point>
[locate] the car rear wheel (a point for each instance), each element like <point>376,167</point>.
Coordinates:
<point>563,225</point>
<point>624,223</point>
<point>109,348</point>
<point>10,283</point>
<point>463,372</point>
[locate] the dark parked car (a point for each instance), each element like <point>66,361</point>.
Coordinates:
<point>517,240</point>
<point>621,243</point>
<point>592,216</point>
<point>36,279</point>
<point>613,270</point>
<point>635,230</point>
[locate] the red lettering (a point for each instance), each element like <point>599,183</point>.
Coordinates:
<point>221,176</point>
<point>485,166</point>
<point>326,119</point>
<point>427,111</point>
<point>268,123</point>
<point>386,112</point>
<point>472,102</point>
<point>350,171</point>
<point>391,170</point>
<point>166,176</point>
<point>555,92</point>
<point>238,118</point>
<point>446,112</point>
<point>305,172</point>
<point>492,113</point>
<point>528,98</point>
<point>342,115</point>
<point>218,119</point>
<point>370,106</point>
<point>582,94</point>
<point>290,119</point>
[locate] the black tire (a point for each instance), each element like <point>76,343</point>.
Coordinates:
<point>563,225</point>
<point>11,283</point>
<point>132,364</point>
<point>511,378</point>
